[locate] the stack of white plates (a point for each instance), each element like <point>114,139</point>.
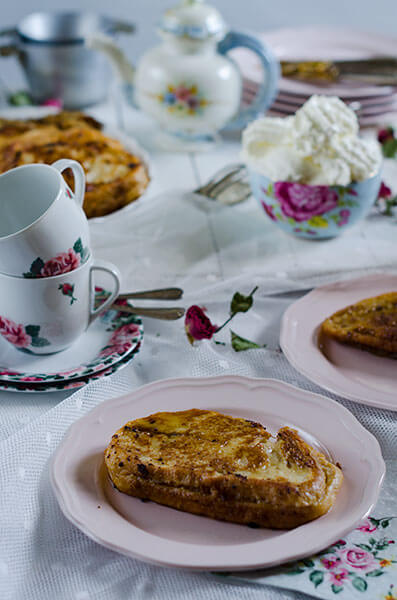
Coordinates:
<point>374,104</point>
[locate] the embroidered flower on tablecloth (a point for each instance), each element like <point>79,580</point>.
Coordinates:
<point>358,559</point>
<point>367,526</point>
<point>352,564</point>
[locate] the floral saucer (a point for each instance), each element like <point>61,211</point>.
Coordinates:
<point>110,339</point>
<point>73,384</point>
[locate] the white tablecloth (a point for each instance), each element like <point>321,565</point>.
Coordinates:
<point>169,239</point>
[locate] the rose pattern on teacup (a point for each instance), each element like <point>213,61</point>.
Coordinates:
<point>22,336</point>
<point>67,289</point>
<point>62,263</point>
<point>126,329</point>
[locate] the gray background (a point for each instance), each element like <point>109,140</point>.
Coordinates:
<point>257,15</point>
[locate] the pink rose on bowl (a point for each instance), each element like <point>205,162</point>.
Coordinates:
<point>269,210</point>
<point>355,558</point>
<point>15,334</point>
<point>301,202</point>
<point>60,264</point>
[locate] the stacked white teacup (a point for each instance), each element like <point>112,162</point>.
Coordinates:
<point>47,294</point>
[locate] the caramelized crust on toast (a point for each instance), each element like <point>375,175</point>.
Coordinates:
<point>222,467</point>
<point>114,176</point>
<point>370,324</point>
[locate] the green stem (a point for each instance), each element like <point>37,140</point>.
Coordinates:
<point>234,314</point>
<point>225,323</point>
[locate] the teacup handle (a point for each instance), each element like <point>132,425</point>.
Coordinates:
<point>78,174</point>
<point>102,265</point>
<point>267,90</point>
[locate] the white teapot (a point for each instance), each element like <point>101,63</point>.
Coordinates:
<point>187,83</point>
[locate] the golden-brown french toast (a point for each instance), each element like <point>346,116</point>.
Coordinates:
<point>370,324</point>
<point>114,176</point>
<point>222,467</point>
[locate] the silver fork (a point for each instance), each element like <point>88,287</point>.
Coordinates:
<point>229,185</point>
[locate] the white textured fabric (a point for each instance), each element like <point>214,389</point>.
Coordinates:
<point>171,239</point>
<point>44,557</point>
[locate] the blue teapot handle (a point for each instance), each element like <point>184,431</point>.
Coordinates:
<point>267,90</point>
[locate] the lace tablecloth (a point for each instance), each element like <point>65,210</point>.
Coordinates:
<point>171,239</point>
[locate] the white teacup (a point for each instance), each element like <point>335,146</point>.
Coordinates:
<point>43,316</point>
<point>41,220</point>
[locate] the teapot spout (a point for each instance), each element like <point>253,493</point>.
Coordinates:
<point>104,43</point>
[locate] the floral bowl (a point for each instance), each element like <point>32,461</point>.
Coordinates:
<point>314,211</point>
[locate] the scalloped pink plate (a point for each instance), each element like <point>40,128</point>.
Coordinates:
<point>321,43</point>
<point>349,372</point>
<point>171,538</point>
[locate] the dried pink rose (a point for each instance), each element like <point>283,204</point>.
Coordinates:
<point>384,135</point>
<point>384,191</point>
<point>197,324</point>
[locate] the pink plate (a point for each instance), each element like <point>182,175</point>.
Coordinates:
<point>167,537</point>
<point>349,372</point>
<point>323,43</point>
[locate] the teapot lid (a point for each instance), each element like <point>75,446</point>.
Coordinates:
<point>193,19</point>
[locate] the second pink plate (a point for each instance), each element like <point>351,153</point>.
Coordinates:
<point>349,372</point>
<point>168,537</point>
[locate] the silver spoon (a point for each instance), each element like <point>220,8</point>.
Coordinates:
<point>166,314</point>
<point>172,293</point>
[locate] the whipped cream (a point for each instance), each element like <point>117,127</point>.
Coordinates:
<point>318,145</point>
